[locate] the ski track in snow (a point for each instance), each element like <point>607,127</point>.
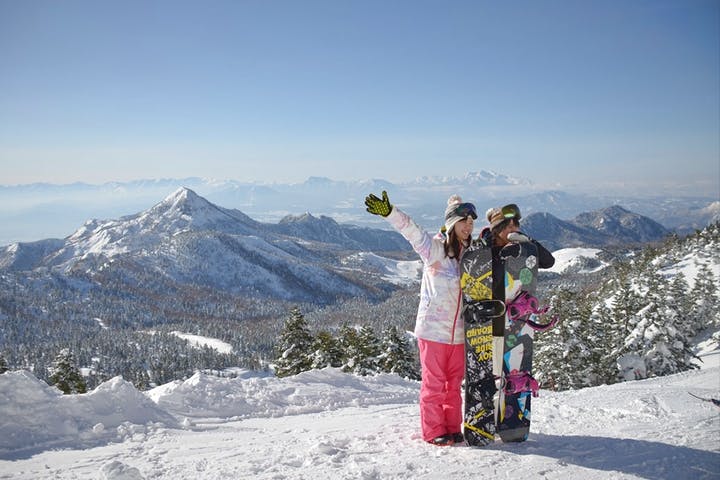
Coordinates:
<point>326,424</point>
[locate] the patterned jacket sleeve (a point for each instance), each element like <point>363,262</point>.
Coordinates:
<point>422,242</point>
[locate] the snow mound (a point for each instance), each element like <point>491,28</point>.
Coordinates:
<point>203,396</point>
<point>116,470</point>
<point>36,415</point>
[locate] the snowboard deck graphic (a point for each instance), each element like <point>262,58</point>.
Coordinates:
<point>513,408</point>
<point>478,314</point>
<point>479,416</point>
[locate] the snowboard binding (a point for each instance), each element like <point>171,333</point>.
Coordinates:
<point>481,310</point>
<point>526,307</point>
<point>523,305</point>
<point>519,382</point>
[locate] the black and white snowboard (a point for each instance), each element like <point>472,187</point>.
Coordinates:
<point>480,389</point>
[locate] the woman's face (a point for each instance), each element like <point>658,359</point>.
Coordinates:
<point>464,229</point>
<point>512,226</point>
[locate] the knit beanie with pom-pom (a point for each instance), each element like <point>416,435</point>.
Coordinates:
<point>456,211</point>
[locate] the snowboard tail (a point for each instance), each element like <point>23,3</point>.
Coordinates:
<point>479,415</point>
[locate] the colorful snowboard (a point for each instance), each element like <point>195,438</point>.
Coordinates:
<point>513,403</point>
<point>478,314</point>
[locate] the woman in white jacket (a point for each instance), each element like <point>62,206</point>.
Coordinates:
<point>438,327</point>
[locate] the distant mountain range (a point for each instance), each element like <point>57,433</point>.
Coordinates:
<point>186,239</point>
<point>38,211</point>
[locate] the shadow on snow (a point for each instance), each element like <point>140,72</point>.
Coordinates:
<point>644,458</point>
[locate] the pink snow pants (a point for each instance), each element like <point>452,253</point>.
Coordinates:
<point>443,369</point>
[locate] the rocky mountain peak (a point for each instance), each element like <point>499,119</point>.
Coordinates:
<point>621,223</point>
<point>184,209</point>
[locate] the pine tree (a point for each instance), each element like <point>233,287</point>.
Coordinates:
<point>625,302</point>
<point>680,302</point>
<point>141,380</point>
<point>294,351</point>
<point>327,351</point>
<point>603,366</point>
<point>3,364</point>
<point>705,306</point>
<point>397,355</point>
<point>558,351</point>
<point>353,356</point>
<point>65,375</point>
<point>656,337</point>
<point>368,362</point>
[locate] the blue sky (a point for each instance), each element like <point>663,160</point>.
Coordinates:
<point>577,92</point>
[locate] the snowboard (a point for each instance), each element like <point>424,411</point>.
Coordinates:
<point>480,388</point>
<point>478,313</point>
<point>514,363</point>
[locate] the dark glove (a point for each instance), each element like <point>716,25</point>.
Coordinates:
<point>378,206</point>
<point>511,250</point>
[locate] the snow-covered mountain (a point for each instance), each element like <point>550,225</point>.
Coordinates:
<point>182,212</point>
<point>326,230</point>
<point>554,233</point>
<point>25,256</point>
<point>621,224</point>
<point>187,239</point>
<point>482,178</point>
<point>608,226</point>
<point>328,424</point>
<point>713,211</point>
<point>38,211</point>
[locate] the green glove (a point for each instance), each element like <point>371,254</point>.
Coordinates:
<point>377,206</point>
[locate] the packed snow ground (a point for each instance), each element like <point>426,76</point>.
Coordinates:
<point>327,424</point>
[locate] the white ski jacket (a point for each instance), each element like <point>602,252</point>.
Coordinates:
<point>438,317</point>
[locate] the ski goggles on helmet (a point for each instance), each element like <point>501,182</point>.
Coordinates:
<point>463,210</point>
<point>511,211</point>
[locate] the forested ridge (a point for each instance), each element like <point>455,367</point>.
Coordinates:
<point>637,306</point>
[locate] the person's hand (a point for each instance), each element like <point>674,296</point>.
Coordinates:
<point>378,206</point>
<point>518,237</point>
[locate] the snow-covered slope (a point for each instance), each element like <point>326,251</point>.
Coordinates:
<point>577,260</point>
<point>327,424</point>
<point>393,271</point>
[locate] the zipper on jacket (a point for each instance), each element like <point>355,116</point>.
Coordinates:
<point>459,300</point>
<point>457,311</point>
